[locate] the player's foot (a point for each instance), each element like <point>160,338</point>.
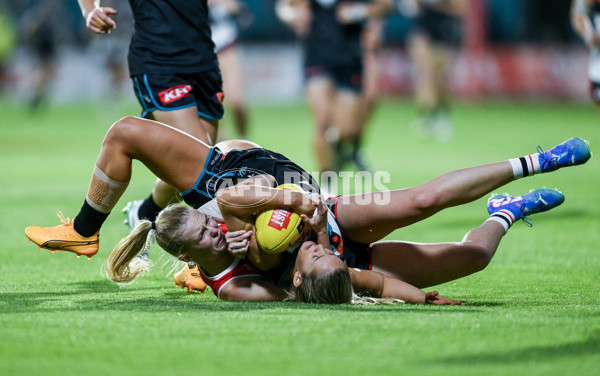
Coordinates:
<point>63,238</point>
<point>519,207</point>
<point>423,127</point>
<point>359,161</point>
<point>572,152</point>
<point>442,126</point>
<point>189,277</point>
<point>131,212</point>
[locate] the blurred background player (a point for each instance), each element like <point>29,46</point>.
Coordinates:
<point>114,49</point>
<point>227,18</point>
<point>175,73</point>
<point>435,34</point>
<point>371,41</point>
<point>40,29</point>
<point>333,68</point>
<point>585,17</point>
<point>8,42</point>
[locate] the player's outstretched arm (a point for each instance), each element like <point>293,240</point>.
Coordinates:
<point>379,285</point>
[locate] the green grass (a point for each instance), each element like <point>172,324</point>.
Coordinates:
<point>533,311</point>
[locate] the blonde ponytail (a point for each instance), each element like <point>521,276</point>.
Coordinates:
<point>169,226</point>
<point>119,267</point>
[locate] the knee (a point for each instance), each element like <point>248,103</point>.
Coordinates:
<point>479,257</point>
<point>122,130</point>
<point>427,198</point>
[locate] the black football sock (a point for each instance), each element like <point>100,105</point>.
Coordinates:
<point>89,220</point>
<point>149,210</point>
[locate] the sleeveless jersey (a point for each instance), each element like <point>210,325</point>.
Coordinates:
<point>171,36</point>
<point>227,169</point>
<point>329,42</point>
<point>238,269</point>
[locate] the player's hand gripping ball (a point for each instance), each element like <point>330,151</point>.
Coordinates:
<point>278,229</point>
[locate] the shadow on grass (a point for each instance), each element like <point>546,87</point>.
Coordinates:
<point>589,346</point>
<point>104,296</point>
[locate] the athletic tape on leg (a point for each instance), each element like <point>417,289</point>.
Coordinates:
<point>104,192</point>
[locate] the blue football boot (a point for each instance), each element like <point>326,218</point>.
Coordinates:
<point>572,152</point>
<point>519,207</point>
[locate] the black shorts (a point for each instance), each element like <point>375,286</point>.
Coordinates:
<point>355,254</point>
<point>223,170</point>
<point>595,91</point>
<point>345,77</point>
<point>170,92</point>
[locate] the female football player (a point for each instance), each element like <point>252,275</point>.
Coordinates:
<point>200,171</point>
<point>176,79</point>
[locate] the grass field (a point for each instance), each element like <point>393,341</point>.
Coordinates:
<point>534,311</point>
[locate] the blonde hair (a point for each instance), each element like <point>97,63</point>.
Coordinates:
<point>369,300</point>
<point>332,288</point>
<point>169,226</point>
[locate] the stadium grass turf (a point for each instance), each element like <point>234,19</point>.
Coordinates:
<point>534,311</point>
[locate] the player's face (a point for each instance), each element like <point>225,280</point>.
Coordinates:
<point>314,258</point>
<point>203,235</point>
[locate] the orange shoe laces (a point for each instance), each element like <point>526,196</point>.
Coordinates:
<point>65,222</point>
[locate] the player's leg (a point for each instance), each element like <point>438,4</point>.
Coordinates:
<point>595,92</point>
<point>347,117</point>
<point>441,123</point>
<point>371,216</point>
<point>424,265</point>
<point>371,39</point>
<point>231,69</point>
<point>187,120</point>
<point>130,138</point>
<point>320,93</point>
<point>177,101</point>
<point>421,55</point>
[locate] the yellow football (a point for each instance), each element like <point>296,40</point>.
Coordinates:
<point>278,229</point>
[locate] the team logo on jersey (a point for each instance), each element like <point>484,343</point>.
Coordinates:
<point>220,96</point>
<point>175,93</point>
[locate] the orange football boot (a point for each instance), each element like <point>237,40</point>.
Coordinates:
<point>189,277</point>
<point>64,238</point>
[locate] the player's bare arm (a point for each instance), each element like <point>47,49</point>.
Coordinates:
<point>97,18</point>
<point>581,22</point>
<point>381,286</point>
<point>252,289</point>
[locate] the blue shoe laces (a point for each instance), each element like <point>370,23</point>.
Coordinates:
<point>547,159</point>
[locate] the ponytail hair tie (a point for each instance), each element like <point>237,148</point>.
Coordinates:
<point>153,225</point>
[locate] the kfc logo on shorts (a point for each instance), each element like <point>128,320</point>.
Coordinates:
<point>175,93</point>
<point>280,219</point>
